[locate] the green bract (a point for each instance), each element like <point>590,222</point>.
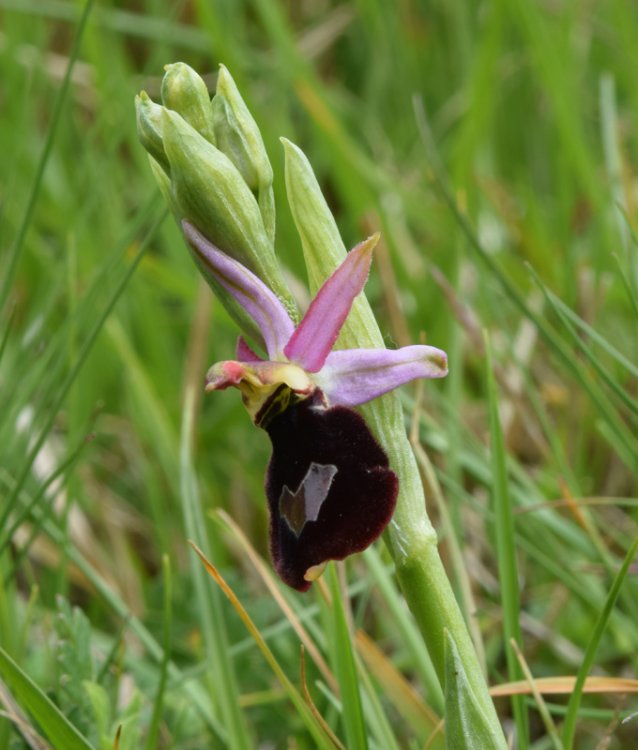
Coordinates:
<point>466,725</point>
<point>149,128</point>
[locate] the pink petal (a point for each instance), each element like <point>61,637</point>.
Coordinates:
<point>244,353</point>
<point>315,336</point>
<point>253,295</point>
<point>353,376</point>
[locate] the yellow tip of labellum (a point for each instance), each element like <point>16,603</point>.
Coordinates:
<point>315,571</point>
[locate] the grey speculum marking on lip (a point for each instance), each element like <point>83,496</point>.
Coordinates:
<point>305,503</point>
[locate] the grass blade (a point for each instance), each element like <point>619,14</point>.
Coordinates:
<point>154,727</point>
<point>506,553</point>
<point>345,668</point>
<point>304,711</point>
<point>75,370</point>
<point>569,727</point>
<point>213,621</point>
<point>9,274</point>
<point>54,723</point>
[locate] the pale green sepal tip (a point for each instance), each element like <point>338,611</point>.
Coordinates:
<point>185,91</point>
<point>230,140</point>
<point>323,247</point>
<point>163,182</point>
<point>149,119</point>
<point>466,725</point>
<point>239,137</point>
<point>236,128</point>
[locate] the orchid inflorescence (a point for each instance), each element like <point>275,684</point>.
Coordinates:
<point>329,485</point>
<point>330,489</point>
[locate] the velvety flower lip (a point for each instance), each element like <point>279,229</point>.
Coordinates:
<point>347,377</point>
<point>330,489</point>
<point>329,486</point>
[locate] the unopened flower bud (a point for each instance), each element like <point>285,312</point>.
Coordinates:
<point>209,192</point>
<point>184,91</point>
<point>237,133</point>
<point>238,136</point>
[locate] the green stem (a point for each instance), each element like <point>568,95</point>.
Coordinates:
<point>412,542</point>
<point>411,537</point>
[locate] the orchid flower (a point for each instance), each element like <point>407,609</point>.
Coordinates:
<point>330,488</point>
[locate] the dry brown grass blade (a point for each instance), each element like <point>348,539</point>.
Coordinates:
<point>389,284</point>
<point>565,684</point>
<point>572,505</point>
<point>294,695</point>
<point>438,731</point>
<point>243,614</point>
<point>546,717</point>
<point>266,576</point>
<point>20,720</point>
<point>396,688</point>
<point>116,741</point>
<point>311,704</point>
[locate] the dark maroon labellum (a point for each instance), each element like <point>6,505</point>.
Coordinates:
<point>329,486</point>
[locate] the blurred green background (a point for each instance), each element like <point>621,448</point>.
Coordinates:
<point>494,146</point>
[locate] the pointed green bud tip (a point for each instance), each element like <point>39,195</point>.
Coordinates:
<point>466,723</point>
<point>185,91</point>
<point>237,134</point>
<point>150,128</point>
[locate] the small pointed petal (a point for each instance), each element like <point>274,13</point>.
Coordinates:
<point>315,336</point>
<point>353,376</point>
<point>248,290</point>
<point>244,353</point>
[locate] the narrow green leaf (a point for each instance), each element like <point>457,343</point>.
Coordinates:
<point>506,551</point>
<point>345,668</point>
<point>569,727</point>
<point>156,718</point>
<point>68,381</point>
<point>209,603</point>
<point>632,295</point>
<point>14,256</point>
<point>561,311</point>
<point>56,726</point>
